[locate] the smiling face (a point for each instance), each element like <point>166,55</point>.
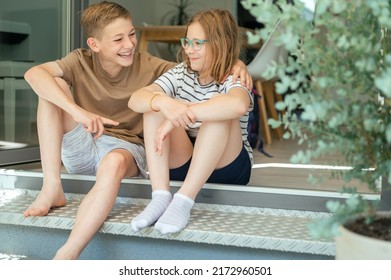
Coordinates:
<point>219,54</point>
<point>198,59</point>
<point>115,45</point>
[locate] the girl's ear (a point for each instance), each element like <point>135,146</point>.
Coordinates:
<point>93,44</point>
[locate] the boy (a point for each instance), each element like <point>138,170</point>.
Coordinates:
<point>83,118</point>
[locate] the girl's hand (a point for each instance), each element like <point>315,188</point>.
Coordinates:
<point>161,135</point>
<point>239,71</point>
<point>177,112</point>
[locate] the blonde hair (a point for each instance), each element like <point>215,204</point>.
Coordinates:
<point>224,42</point>
<point>98,16</point>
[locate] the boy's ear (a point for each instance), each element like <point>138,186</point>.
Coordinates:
<point>91,42</point>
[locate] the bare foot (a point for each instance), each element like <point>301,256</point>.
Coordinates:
<point>48,197</point>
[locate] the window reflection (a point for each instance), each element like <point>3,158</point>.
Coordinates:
<point>31,32</point>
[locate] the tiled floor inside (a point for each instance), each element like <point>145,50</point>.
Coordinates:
<point>279,172</point>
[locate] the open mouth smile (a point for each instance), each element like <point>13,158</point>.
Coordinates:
<point>125,55</point>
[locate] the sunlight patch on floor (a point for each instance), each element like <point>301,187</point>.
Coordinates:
<point>301,166</point>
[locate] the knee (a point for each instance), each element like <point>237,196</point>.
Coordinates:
<point>221,124</point>
<point>151,118</point>
<point>116,161</point>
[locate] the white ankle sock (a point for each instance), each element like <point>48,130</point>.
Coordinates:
<point>177,215</point>
<point>159,203</point>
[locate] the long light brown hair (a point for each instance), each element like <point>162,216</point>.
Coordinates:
<point>222,34</point>
<point>99,15</point>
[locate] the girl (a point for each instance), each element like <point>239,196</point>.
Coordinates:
<point>195,122</point>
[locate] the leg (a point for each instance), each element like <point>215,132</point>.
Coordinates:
<point>177,150</point>
<point>174,155</point>
<point>217,145</point>
<point>52,122</point>
<point>98,203</point>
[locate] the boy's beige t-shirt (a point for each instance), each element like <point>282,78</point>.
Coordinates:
<point>95,91</point>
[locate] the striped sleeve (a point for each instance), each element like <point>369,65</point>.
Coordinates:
<point>170,80</point>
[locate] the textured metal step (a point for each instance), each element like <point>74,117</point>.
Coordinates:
<point>8,257</point>
<point>251,227</point>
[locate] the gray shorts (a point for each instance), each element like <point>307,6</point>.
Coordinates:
<point>81,154</point>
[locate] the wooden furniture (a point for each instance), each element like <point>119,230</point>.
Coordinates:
<point>268,54</point>
<point>164,34</point>
<point>267,98</point>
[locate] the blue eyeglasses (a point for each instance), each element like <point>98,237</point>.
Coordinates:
<point>196,44</point>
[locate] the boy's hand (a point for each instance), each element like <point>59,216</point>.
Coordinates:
<point>93,123</point>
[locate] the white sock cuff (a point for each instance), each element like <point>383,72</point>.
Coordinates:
<point>161,192</point>
<point>184,197</point>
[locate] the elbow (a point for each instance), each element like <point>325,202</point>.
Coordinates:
<point>33,77</point>
<point>130,103</point>
<point>242,107</point>
<point>239,101</point>
<point>242,110</point>
<point>30,74</point>
<point>134,103</point>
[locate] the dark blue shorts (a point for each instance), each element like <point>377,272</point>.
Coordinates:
<point>237,172</point>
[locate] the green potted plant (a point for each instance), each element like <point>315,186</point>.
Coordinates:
<point>336,89</point>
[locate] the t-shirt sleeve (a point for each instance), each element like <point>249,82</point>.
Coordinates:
<point>169,81</point>
<point>67,65</point>
<point>229,84</point>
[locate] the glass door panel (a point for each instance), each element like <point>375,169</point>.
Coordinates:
<point>31,32</point>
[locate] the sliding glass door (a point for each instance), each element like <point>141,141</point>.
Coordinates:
<point>31,32</point>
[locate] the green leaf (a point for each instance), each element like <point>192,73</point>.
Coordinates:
<point>273,123</point>
<point>339,6</point>
<point>388,134</point>
<point>253,38</point>
<point>280,105</point>
<point>383,82</point>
